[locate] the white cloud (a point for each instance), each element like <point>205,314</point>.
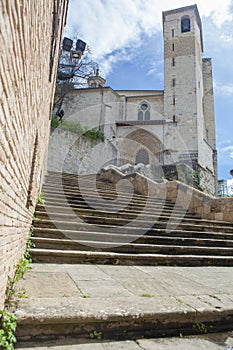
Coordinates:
<point>223,89</point>
<point>226,38</point>
<point>112,25</point>
<point>229,150</point>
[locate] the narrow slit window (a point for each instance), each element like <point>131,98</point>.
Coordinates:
<point>173,82</point>
<point>173,33</point>
<point>173,61</point>
<point>173,47</point>
<point>174,101</point>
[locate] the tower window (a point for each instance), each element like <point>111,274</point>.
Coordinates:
<point>185,24</point>
<point>144,111</point>
<point>174,100</point>
<point>173,47</point>
<point>173,61</point>
<point>173,82</point>
<point>173,33</point>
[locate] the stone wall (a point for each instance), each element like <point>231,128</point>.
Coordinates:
<point>74,154</point>
<point>29,38</point>
<point>182,195</point>
<point>92,107</point>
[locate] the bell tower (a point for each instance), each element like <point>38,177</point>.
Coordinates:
<point>188,90</point>
<point>183,86</point>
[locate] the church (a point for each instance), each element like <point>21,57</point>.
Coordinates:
<point>170,130</point>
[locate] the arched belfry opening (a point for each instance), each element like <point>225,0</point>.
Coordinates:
<point>185,24</point>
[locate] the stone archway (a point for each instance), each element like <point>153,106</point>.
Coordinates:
<point>152,145</point>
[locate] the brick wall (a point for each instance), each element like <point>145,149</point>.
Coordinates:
<point>29,39</point>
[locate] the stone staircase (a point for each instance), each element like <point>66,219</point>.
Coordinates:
<point>89,282</point>
<point>87,220</point>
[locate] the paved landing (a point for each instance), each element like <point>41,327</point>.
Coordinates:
<point>106,293</point>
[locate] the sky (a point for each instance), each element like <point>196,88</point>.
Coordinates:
<point>126,40</point>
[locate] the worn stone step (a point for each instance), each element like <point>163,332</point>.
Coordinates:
<point>54,211</point>
<point>139,222</point>
<point>103,202</point>
<point>102,186</point>
<point>132,248</point>
<point>104,190</point>
<point>110,231</point>
<point>124,197</point>
<point>61,205</point>
<point>114,207</point>
<point>129,215</point>
<point>144,239</point>
<point>160,224</point>
<point>89,257</point>
<point>97,196</point>
<point>69,302</point>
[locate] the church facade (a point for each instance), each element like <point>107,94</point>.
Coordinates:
<point>163,128</point>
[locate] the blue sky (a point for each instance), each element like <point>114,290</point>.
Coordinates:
<point>126,39</point>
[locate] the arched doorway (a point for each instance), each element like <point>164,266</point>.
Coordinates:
<point>142,156</point>
<point>152,146</point>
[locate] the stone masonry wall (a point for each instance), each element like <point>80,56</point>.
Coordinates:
<point>29,38</point>
<point>73,154</point>
<point>197,202</point>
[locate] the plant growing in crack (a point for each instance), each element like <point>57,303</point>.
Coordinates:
<point>8,321</point>
<point>146,295</point>
<point>7,331</point>
<point>201,327</point>
<point>40,199</point>
<point>96,335</point>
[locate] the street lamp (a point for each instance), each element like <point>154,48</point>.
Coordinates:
<point>80,47</point>
<point>67,44</point>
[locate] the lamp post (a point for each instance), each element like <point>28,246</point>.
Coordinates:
<point>80,47</point>
<point>70,58</point>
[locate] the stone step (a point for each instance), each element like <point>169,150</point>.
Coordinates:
<point>76,183</point>
<point>115,205</point>
<point>112,221</point>
<point>104,189</point>
<point>113,232</point>
<point>94,184</point>
<point>73,304</point>
<point>130,248</point>
<point>89,257</point>
<point>47,236</point>
<point>124,197</point>
<point>128,215</point>
<point>55,211</point>
<point>216,341</point>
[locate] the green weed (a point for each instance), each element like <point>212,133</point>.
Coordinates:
<point>146,295</point>
<point>7,331</point>
<point>96,335</point>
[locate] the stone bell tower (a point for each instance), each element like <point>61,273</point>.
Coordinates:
<point>188,92</point>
